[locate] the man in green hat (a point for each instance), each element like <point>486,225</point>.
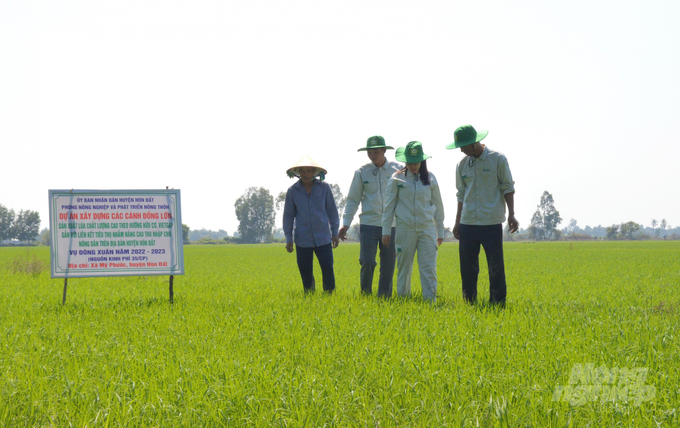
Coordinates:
<point>368,189</point>
<point>484,187</point>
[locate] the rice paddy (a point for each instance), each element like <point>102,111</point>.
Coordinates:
<point>590,337</point>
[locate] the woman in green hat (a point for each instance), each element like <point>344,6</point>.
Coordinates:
<point>413,197</point>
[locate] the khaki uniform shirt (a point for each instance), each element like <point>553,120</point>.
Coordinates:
<point>482,184</point>
<point>417,207</point>
<point>368,189</point>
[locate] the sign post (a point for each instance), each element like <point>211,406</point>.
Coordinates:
<point>115,233</point>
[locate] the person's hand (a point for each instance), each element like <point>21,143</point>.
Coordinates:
<point>335,241</point>
<point>289,247</point>
<point>342,234</point>
<point>439,241</point>
<point>456,231</point>
<point>513,224</point>
<point>386,240</point>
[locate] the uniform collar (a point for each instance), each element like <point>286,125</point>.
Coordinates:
<point>484,154</point>
<point>470,160</point>
<point>372,166</point>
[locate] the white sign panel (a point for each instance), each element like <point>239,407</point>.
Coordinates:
<point>115,233</point>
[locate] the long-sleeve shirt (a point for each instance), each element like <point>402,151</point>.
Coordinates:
<point>313,215</point>
<point>482,184</point>
<point>416,206</point>
<point>368,189</point>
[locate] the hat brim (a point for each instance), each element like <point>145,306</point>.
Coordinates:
<point>305,162</point>
<point>363,149</point>
<point>401,156</point>
<point>458,144</point>
<point>294,170</point>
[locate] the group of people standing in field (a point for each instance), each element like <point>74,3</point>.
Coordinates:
<point>402,215</point>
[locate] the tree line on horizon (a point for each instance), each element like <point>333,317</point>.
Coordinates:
<point>21,227</point>
<point>256,212</point>
<point>546,218</point>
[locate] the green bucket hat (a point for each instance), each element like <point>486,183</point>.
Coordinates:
<point>375,142</point>
<point>466,135</point>
<point>412,153</point>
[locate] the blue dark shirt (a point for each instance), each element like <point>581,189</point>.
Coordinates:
<point>313,216</point>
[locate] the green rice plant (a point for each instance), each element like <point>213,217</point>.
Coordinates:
<point>242,345</point>
<point>27,263</point>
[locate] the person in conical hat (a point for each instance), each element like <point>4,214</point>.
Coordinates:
<point>311,222</point>
<point>294,171</point>
<point>413,197</point>
<point>368,190</point>
<point>484,187</point>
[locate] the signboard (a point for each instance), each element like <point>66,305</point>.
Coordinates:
<point>115,233</point>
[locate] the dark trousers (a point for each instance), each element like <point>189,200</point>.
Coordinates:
<point>305,261</point>
<point>371,239</point>
<point>491,238</point>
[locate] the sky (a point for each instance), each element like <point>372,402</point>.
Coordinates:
<point>214,97</point>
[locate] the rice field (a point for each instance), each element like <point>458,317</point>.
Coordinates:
<point>590,337</point>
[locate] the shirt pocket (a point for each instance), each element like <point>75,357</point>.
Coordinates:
<point>468,176</point>
<point>488,175</point>
<point>371,185</point>
<point>405,191</point>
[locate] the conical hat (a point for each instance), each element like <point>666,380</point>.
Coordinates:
<point>305,161</point>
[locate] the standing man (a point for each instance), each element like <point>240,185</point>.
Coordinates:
<point>310,211</point>
<point>485,186</point>
<point>368,188</point>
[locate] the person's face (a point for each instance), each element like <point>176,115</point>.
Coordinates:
<point>377,156</point>
<point>468,150</point>
<point>413,168</point>
<point>306,173</point>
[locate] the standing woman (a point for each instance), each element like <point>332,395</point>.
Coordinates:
<point>413,197</point>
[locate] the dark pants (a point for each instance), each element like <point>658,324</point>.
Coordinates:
<point>491,238</point>
<point>371,239</point>
<point>305,261</point>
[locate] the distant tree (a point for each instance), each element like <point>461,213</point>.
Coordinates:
<point>45,237</point>
<point>627,230</point>
<point>280,201</point>
<point>507,236</point>
<point>279,204</point>
<point>340,200</point>
<point>353,233</point>
<point>196,235</point>
<point>573,226</point>
<point>654,224</point>
<point>26,226</point>
<point>546,218</point>
<point>663,225</point>
<point>6,222</point>
<point>598,231</point>
<point>185,233</point>
<point>613,232</point>
<point>536,227</point>
<point>255,213</point>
